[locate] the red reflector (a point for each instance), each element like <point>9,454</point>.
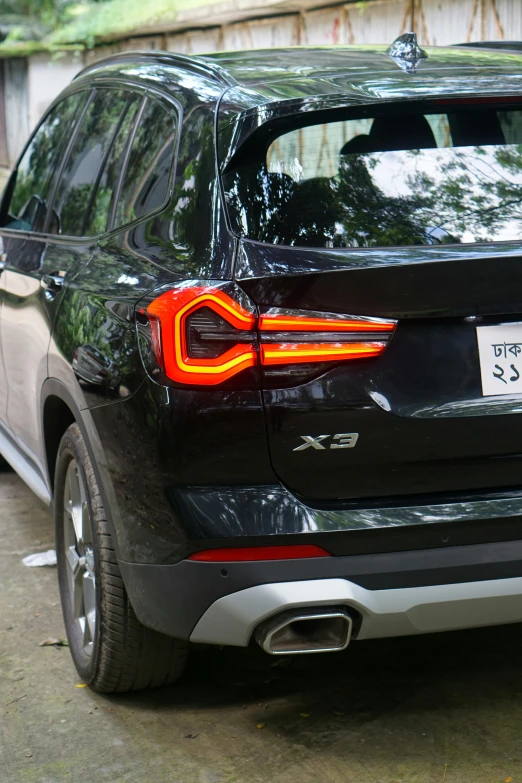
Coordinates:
<point>249,553</point>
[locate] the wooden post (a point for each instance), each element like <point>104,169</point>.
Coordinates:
<point>500,29</point>
<point>471,21</point>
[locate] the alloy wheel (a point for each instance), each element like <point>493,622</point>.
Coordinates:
<point>79,558</point>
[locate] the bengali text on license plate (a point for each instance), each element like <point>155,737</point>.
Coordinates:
<point>500,353</point>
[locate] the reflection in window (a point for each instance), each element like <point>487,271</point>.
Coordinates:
<point>147,177</point>
<point>86,157</point>
<point>97,220</point>
<point>314,151</point>
<point>27,209</point>
<point>413,179</point>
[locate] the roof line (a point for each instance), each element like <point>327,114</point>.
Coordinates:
<point>194,64</point>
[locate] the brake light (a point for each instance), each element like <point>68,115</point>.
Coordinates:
<point>205,333</point>
<point>279,321</point>
<point>250,553</point>
<point>174,343</point>
<point>297,353</point>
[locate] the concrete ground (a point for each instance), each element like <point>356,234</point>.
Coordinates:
<point>439,709</point>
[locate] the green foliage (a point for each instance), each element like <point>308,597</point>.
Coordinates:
<point>109,18</point>
<point>470,194</point>
<point>27,26</point>
<point>35,16</point>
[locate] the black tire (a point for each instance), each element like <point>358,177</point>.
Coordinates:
<point>122,654</point>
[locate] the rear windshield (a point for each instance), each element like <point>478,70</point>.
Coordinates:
<point>414,178</point>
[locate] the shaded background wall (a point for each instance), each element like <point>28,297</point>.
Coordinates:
<point>29,84</point>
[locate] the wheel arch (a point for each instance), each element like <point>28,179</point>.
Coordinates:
<point>59,410</point>
<point>57,417</point>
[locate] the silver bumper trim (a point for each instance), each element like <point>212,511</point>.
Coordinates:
<point>272,510</point>
<point>398,516</point>
<point>232,619</point>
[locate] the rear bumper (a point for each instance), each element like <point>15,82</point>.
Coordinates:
<point>394,593</point>
<point>402,612</point>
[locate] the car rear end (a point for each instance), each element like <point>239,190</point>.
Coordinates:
<point>377,306</point>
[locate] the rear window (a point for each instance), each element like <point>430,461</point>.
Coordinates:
<point>414,178</point>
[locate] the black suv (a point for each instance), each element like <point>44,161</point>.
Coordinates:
<point>261,334</point>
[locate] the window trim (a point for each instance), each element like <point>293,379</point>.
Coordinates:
<point>107,155</point>
<point>126,155</point>
<point>173,162</point>
<point>58,174</point>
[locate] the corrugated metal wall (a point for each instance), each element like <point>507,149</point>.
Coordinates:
<point>29,85</point>
<point>16,106</point>
<point>437,22</point>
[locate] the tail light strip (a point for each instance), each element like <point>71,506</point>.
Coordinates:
<point>276,337</point>
<point>294,353</point>
<point>286,321</point>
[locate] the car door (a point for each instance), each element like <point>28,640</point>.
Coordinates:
<point>22,246</point>
<point>39,266</point>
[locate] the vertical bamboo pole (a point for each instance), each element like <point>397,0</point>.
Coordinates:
<point>348,25</point>
<point>472,20</point>
<point>405,17</point>
<point>500,29</point>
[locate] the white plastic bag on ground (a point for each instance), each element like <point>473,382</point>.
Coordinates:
<point>40,559</point>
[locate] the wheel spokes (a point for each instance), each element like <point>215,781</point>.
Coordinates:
<point>89,603</point>
<point>79,555</point>
<point>79,510</point>
<point>73,560</point>
<point>73,568</point>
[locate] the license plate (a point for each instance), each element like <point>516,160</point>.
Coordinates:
<point>500,354</point>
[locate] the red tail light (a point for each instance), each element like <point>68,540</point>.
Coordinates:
<point>284,321</point>
<point>249,553</point>
<point>205,333</point>
<point>297,353</point>
<point>172,345</point>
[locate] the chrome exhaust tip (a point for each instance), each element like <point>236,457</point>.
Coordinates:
<point>305,631</point>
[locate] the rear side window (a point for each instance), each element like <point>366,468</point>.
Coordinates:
<point>434,176</point>
<point>32,181</point>
<point>90,147</point>
<point>99,211</point>
<point>145,185</point>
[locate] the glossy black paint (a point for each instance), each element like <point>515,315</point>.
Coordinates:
<point>400,282</point>
<point>272,84</point>
<point>507,46</point>
<point>180,467</point>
